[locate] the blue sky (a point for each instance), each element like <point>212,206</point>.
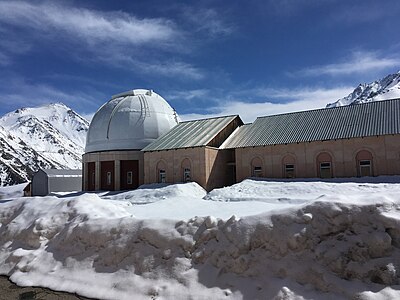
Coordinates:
<point>205,58</point>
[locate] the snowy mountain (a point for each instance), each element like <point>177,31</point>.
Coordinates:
<point>384,89</point>
<point>49,136</point>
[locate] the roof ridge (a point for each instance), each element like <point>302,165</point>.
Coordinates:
<point>331,108</point>
<point>354,121</point>
<point>210,118</point>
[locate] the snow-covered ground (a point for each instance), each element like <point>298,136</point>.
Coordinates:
<point>253,240</point>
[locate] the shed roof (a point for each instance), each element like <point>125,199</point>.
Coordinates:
<point>63,172</point>
<point>188,134</point>
<point>358,120</point>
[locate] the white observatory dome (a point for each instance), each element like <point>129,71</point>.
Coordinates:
<point>130,121</point>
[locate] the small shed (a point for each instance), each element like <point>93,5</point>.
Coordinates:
<point>46,181</point>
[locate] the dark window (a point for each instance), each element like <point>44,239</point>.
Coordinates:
<point>129,177</point>
<point>257,171</point>
<point>186,174</point>
<point>289,170</point>
<point>325,170</point>
<point>161,176</point>
<point>365,168</point>
<point>109,179</point>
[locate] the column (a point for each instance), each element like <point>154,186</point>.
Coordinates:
<point>97,176</point>
<point>117,172</point>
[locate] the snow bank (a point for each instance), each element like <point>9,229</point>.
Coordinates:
<point>339,246</point>
<point>300,190</point>
<point>155,192</point>
<point>13,191</point>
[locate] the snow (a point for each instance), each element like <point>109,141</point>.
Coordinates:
<point>383,89</point>
<point>48,136</point>
<point>13,191</point>
<point>253,240</point>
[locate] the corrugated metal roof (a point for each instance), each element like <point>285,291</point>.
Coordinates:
<point>241,131</point>
<point>62,172</point>
<point>191,134</point>
<point>360,120</point>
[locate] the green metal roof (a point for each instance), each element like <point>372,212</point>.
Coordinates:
<point>188,134</point>
<point>359,120</point>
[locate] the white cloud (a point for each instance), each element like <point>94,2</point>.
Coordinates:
<point>371,11</point>
<point>88,25</point>
<point>187,95</point>
<point>178,69</point>
<point>4,59</point>
<point>173,69</point>
<point>296,100</point>
<point>208,20</point>
<point>18,92</point>
<point>88,116</point>
<point>114,38</point>
<point>359,62</point>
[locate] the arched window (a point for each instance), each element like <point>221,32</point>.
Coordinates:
<point>186,170</point>
<point>289,165</point>
<point>364,163</point>
<point>256,167</point>
<point>324,165</point>
<point>161,172</point>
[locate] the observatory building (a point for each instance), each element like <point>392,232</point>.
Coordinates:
<point>136,138</point>
<point>119,130</point>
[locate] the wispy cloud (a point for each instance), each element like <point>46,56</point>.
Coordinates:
<point>179,70</point>
<point>19,92</point>
<point>187,95</point>
<point>171,69</point>
<point>208,20</point>
<point>114,38</point>
<point>87,25</point>
<point>358,62</point>
<point>286,8</point>
<point>294,100</point>
<point>369,11</point>
<point>5,59</point>
<point>8,48</point>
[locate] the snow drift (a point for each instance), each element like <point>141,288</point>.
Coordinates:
<point>332,245</point>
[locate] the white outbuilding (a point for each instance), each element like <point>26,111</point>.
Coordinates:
<point>47,181</point>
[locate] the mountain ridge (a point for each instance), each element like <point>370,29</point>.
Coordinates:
<point>382,89</point>
<point>47,136</point>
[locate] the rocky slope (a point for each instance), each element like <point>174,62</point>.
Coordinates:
<point>49,136</point>
<point>383,89</point>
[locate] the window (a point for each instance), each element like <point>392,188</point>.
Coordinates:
<point>109,178</point>
<point>324,165</point>
<point>365,161</point>
<point>288,165</point>
<point>257,171</point>
<point>289,170</point>
<point>256,167</point>
<point>325,170</point>
<point>129,176</point>
<point>161,176</point>
<point>365,168</point>
<point>186,174</point>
